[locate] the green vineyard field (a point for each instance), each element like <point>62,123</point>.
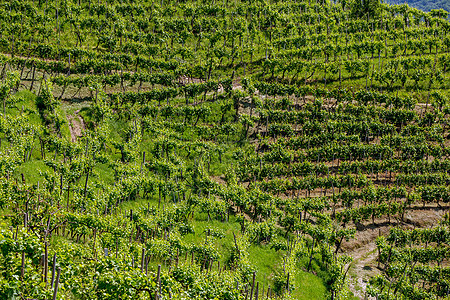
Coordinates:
<point>230,149</point>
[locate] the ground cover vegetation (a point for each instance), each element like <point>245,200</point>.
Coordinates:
<point>223,150</point>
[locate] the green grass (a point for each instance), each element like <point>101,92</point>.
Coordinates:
<point>265,260</point>
<point>31,169</point>
<point>28,105</point>
<point>104,174</point>
<point>308,286</point>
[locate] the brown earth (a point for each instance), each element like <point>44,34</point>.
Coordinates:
<point>363,247</point>
<point>76,125</point>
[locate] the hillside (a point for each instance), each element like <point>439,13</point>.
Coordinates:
<point>425,5</point>
<point>223,150</point>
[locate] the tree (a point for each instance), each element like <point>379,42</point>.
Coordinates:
<point>362,8</point>
<point>6,88</point>
<point>45,100</point>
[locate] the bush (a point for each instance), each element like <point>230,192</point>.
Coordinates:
<point>362,8</point>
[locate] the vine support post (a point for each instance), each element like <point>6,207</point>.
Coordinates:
<point>53,271</point>
<point>68,71</point>
<point>46,263</point>
<point>25,220</point>
<point>253,285</point>
<point>287,282</point>
<point>158,280</point>
<point>86,183</point>
<point>142,259</point>
<point>22,270</point>
<point>55,292</point>
<point>143,160</point>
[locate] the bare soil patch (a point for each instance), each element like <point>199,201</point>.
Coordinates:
<point>363,248</point>
<point>76,125</point>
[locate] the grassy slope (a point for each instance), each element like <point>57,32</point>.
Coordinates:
<point>262,257</point>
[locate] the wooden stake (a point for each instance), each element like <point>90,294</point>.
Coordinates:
<point>22,271</point>
<point>56,284</point>
<point>158,280</point>
<point>253,285</point>
<point>53,270</point>
<point>46,263</point>
<point>142,259</point>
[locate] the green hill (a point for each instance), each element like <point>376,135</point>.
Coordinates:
<point>425,5</point>
<point>231,149</point>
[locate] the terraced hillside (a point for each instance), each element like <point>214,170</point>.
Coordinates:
<point>223,150</point>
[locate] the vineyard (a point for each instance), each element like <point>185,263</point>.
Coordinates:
<point>231,149</point>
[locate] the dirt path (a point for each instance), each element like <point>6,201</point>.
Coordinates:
<point>76,125</point>
<point>362,268</point>
<point>364,250</point>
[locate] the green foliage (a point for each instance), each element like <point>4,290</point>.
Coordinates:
<point>192,150</point>
<point>366,8</point>
<point>426,5</point>
<point>9,84</point>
